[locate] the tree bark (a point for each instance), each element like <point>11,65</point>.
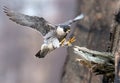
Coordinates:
<point>116,52</point>
<point>93,33</point>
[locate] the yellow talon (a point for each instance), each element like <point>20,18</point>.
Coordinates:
<point>72,39</point>
<point>68,43</point>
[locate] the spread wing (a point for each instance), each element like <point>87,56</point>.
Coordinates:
<point>78,18</point>
<point>35,22</point>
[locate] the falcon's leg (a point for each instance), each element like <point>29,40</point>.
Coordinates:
<point>62,42</point>
<point>69,42</point>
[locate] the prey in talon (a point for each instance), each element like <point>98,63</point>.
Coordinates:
<point>53,35</point>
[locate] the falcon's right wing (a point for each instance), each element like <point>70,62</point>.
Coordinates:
<point>38,23</point>
<point>78,18</point>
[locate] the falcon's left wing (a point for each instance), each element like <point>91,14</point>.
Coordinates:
<point>38,23</point>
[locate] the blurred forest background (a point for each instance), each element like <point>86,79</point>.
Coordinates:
<point>19,44</point>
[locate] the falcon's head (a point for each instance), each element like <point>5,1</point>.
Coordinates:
<point>63,29</point>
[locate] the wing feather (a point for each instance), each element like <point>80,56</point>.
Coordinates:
<point>38,23</point>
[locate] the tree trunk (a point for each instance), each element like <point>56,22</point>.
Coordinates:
<point>117,64</point>
<point>116,50</point>
<point>92,32</point>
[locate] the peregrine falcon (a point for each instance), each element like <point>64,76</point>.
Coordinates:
<point>54,35</point>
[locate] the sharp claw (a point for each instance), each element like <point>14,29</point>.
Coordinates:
<point>72,39</point>
<point>68,43</point>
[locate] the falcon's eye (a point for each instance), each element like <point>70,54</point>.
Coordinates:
<point>117,17</point>
<point>65,29</point>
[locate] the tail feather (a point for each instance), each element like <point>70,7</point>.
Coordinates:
<point>38,54</point>
<point>42,53</point>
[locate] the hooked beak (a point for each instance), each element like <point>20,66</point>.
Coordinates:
<point>68,31</point>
